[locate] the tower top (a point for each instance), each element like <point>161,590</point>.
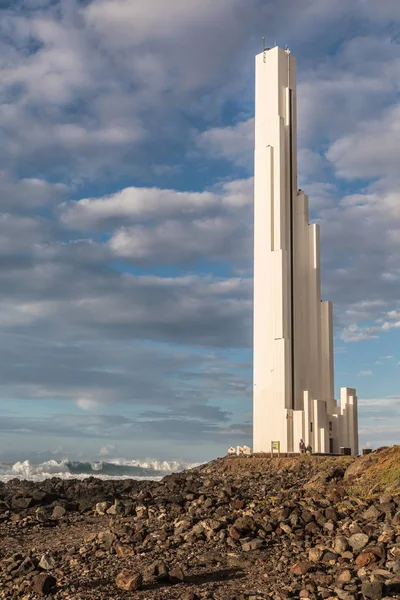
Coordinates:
<point>267,48</point>
<point>274,50</point>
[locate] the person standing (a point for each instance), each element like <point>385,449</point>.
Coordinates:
<point>302,447</point>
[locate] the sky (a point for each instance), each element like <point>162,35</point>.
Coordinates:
<point>126,143</point>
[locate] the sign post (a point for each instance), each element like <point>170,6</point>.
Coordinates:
<point>275,446</point>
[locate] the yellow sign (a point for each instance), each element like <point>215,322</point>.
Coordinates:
<point>275,446</point>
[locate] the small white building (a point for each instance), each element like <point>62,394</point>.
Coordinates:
<point>293,335</point>
<point>243,451</point>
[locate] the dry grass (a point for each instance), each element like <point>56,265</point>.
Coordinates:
<point>375,473</point>
<point>364,477</point>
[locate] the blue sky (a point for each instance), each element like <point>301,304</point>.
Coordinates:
<point>126,133</point>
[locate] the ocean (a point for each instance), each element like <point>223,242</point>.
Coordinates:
<point>118,468</point>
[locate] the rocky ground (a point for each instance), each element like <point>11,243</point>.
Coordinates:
<point>234,529</point>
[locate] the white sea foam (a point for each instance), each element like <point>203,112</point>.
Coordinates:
<point>152,463</point>
<point>26,469</point>
<point>118,468</point>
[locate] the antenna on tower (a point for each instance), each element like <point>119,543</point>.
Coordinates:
<point>265,49</point>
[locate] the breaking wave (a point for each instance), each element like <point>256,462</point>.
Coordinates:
<point>119,468</point>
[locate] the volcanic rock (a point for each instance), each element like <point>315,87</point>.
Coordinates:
<point>358,541</point>
<point>373,590</point>
<point>129,581</point>
<point>47,563</point>
<point>301,568</point>
<point>176,575</point>
<point>43,583</point>
<point>240,528</point>
<point>58,512</point>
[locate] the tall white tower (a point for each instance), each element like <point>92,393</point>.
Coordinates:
<point>293,339</point>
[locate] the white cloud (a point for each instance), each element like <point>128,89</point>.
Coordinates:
<point>234,143</point>
<point>372,150</point>
<point>387,325</point>
<point>354,333</point>
<point>143,204</point>
<point>321,195</point>
<point>177,242</point>
<point>310,165</point>
<point>97,76</point>
<point>14,313</point>
<point>21,233</point>
<point>183,46</point>
<point>366,373</point>
<point>107,450</point>
<point>81,295</point>
<point>360,240</point>
<point>88,404</point>
<point>133,22</point>
<point>29,193</point>
<point>172,227</point>
<point>136,204</point>
<point>379,402</point>
<point>362,77</point>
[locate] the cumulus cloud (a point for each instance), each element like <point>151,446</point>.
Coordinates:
<point>141,204</point>
<point>386,322</point>
<point>360,241</point>
<point>83,80</point>
<point>354,333</point>
<point>29,193</point>
<point>361,76</point>
<point>174,242</point>
<point>372,150</point>
<point>234,143</point>
<point>132,22</point>
<point>172,227</point>
<point>183,47</point>
<point>126,229</point>
<point>20,234</point>
<point>100,91</point>
<point>136,204</point>
<point>124,306</point>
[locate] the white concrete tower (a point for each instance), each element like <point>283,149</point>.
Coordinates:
<point>293,339</point>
